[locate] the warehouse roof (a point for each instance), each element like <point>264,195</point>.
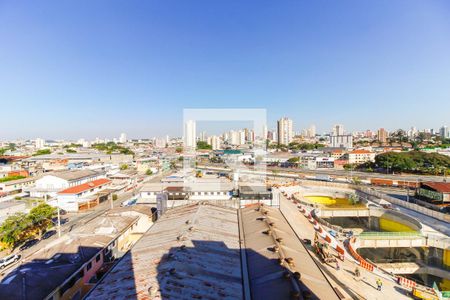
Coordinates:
<point>191,252</point>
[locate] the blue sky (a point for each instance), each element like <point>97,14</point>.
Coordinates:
<point>71,69</point>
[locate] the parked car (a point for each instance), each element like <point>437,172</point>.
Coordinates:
<point>29,244</point>
<point>48,234</point>
<point>7,260</point>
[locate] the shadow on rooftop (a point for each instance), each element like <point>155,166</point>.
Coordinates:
<point>66,275</point>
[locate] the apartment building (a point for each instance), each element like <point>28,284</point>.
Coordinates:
<point>360,156</point>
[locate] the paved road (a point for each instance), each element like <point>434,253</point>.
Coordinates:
<point>79,219</point>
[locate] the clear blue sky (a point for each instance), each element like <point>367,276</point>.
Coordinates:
<point>71,69</point>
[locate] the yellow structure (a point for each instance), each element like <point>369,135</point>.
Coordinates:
<point>326,200</point>
<point>393,226</point>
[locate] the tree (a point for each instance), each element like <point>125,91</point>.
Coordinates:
<point>41,218</point>
<point>42,152</point>
<point>124,167</point>
<point>149,172</point>
<point>12,230</point>
<point>71,151</point>
<point>294,160</point>
<point>179,150</point>
<point>203,145</point>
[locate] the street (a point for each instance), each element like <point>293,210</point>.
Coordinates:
<point>76,220</point>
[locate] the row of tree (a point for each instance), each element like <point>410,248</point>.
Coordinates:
<point>20,227</point>
<point>112,147</point>
<point>412,162</point>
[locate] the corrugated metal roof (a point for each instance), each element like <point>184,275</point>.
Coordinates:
<point>442,187</point>
<point>191,252</point>
<point>268,266</point>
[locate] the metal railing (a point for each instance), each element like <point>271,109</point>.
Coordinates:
<point>390,235</point>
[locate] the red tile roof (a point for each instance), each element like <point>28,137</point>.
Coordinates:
<point>85,186</point>
<point>442,187</point>
<point>360,151</point>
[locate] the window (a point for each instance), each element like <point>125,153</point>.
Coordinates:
<point>97,258</point>
<point>89,266</point>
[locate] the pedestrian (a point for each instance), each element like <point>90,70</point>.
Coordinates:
<point>379,284</point>
<point>337,265</point>
<point>357,273</point>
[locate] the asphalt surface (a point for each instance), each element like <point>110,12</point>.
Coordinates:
<point>75,220</point>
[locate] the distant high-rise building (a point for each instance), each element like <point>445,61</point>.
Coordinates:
<point>241,137</point>
<point>341,141</point>
<point>190,139</point>
<point>123,138</point>
<point>39,143</point>
<point>412,132</point>
<point>285,131</point>
<point>444,132</point>
<point>338,129</point>
<point>271,135</point>
<point>203,136</point>
<point>264,132</point>
<point>368,134</point>
<point>234,138</point>
<point>382,135</point>
<point>215,142</point>
<point>312,131</point>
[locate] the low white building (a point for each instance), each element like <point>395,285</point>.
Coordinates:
<point>360,156</point>
<point>51,183</point>
<point>83,196</point>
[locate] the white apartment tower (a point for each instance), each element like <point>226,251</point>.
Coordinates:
<point>123,138</point>
<point>444,132</point>
<point>214,141</point>
<point>190,140</point>
<point>285,132</point>
<point>312,131</point>
<point>39,143</point>
<point>338,129</point>
<point>264,132</point>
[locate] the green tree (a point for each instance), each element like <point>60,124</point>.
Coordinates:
<point>201,145</point>
<point>41,218</point>
<point>294,160</point>
<point>12,229</point>
<point>149,172</point>
<point>42,152</point>
<point>124,167</point>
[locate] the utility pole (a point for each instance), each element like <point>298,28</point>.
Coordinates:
<point>112,202</point>
<point>59,218</point>
<point>407,193</point>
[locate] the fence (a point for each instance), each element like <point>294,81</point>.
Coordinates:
<point>423,210</point>
<point>390,235</point>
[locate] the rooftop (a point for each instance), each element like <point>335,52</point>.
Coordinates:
<point>74,174</point>
<point>190,252</point>
<point>264,263</point>
<point>85,186</point>
<point>442,187</point>
<point>53,264</point>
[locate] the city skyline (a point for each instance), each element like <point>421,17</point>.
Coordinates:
<point>110,70</point>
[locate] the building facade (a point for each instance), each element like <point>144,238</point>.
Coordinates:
<point>285,131</point>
